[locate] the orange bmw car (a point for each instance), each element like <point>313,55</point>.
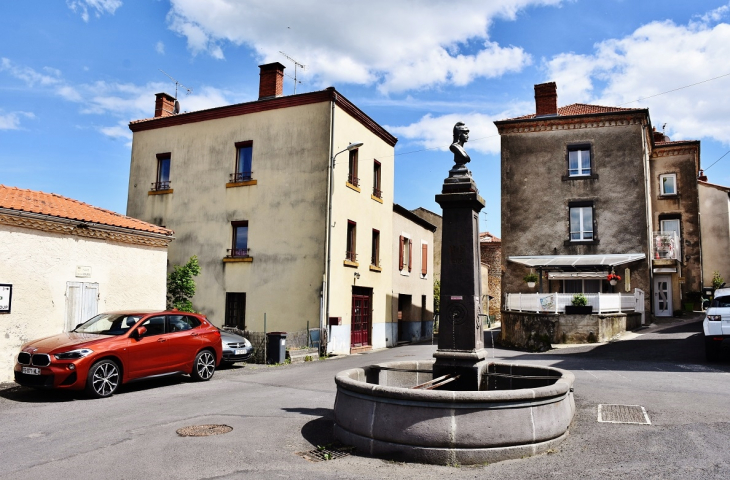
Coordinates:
<point>114,348</point>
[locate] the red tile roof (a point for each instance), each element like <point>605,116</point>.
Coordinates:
<point>55,205</point>
<point>676,142</point>
<point>488,237</point>
<point>581,109</point>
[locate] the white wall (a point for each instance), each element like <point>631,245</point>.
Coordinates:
<point>38,265</point>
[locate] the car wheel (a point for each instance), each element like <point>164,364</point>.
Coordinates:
<point>204,366</point>
<point>712,349</point>
<point>103,379</point>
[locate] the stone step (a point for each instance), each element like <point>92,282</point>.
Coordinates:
<point>303,355</point>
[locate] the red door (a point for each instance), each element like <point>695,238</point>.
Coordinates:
<point>360,329</point>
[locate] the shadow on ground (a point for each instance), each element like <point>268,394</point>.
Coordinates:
<point>320,430</point>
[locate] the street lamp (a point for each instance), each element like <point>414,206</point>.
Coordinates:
<point>350,147</point>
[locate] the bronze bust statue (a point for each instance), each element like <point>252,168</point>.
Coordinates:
<point>461,136</point>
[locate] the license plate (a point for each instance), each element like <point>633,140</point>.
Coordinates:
<point>240,352</point>
<point>31,371</point>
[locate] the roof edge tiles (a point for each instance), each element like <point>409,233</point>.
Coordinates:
<point>329,94</point>
<point>573,110</point>
<point>13,199</point>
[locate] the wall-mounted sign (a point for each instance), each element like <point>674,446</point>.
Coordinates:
<point>83,272</point>
<point>6,297</point>
<point>627,279</point>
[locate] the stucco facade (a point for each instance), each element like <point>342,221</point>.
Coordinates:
<point>412,254</point>
<point>715,223</point>
<point>51,264</point>
<point>285,203</point>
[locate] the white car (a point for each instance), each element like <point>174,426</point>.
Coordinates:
<point>717,323</point>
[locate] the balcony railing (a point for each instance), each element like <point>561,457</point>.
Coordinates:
<point>239,177</point>
<point>239,252</point>
<point>377,192</point>
<point>666,246</point>
<point>157,186</point>
<point>351,256</point>
<point>556,302</point>
<point>353,180</point>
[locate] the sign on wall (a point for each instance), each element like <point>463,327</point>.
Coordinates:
<point>83,272</point>
<point>6,295</point>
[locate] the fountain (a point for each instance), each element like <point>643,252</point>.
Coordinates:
<point>459,407</point>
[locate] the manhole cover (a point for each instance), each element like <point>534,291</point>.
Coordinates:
<point>324,453</point>
<point>203,430</point>
<point>623,414</point>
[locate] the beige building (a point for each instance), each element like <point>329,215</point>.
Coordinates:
<point>249,189</point>
<point>62,261</point>
<point>413,272</point>
<point>715,223</point>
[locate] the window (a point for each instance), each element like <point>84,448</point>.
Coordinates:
<point>581,286</point>
<point>668,184</point>
<point>581,223</point>
<point>377,191</point>
<point>154,326</point>
<point>236,310</point>
<point>239,246</point>
<point>163,172</point>
<point>405,258</point>
<point>351,241</point>
<point>181,323</point>
<point>375,259</point>
<point>352,173</point>
<point>424,259</point>
<point>244,155</point>
<point>579,160</point>
<point>668,240</point>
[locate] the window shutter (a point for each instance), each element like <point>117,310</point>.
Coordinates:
<point>400,252</point>
<point>410,254</point>
<point>424,259</point>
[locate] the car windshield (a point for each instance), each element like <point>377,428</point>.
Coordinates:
<point>722,302</point>
<point>108,324</point>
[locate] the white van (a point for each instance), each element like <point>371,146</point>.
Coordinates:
<point>717,323</point>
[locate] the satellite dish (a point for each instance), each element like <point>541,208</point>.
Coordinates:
<point>176,108</point>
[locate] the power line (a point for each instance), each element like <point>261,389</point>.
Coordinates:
<point>705,169</point>
<point>675,89</point>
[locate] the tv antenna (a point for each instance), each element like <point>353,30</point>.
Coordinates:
<point>296,64</point>
<point>188,90</point>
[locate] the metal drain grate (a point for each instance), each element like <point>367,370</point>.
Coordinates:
<point>623,414</point>
<point>324,453</point>
<point>203,430</point>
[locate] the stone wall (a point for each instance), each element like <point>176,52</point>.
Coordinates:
<point>491,255</point>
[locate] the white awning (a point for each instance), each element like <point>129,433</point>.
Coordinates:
<point>577,261</point>
<point>576,275</point>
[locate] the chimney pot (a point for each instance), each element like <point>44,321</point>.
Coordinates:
<point>271,83</point>
<point>164,105</point>
<point>546,99</point>
<point>702,177</point>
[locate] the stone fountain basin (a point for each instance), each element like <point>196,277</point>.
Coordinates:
<point>378,413</point>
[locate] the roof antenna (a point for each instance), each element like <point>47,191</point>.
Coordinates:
<point>296,64</point>
<point>176,108</point>
<point>663,127</point>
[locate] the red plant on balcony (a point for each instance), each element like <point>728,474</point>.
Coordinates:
<point>613,276</point>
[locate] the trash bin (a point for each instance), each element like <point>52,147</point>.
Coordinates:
<point>275,347</point>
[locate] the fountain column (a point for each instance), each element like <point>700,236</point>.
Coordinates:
<point>461,336</point>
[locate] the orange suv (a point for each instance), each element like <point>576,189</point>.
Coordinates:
<point>114,348</point>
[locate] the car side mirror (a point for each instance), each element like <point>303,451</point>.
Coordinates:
<point>140,332</point>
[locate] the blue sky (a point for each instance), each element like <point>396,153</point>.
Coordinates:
<point>74,73</point>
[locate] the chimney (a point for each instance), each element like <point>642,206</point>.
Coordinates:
<point>546,99</point>
<point>702,177</point>
<point>164,105</point>
<point>271,83</point>
<point>659,136</point>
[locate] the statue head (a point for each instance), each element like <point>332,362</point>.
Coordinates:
<point>459,130</point>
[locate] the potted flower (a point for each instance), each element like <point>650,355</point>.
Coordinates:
<point>613,279</point>
<point>531,278</point>
<point>579,306</point>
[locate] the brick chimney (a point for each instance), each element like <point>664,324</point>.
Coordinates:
<point>702,177</point>
<point>164,105</point>
<point>659,136</point>
<point>546,99</point>
<point>271,83</point>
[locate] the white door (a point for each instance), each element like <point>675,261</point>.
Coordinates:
<point>82,301</point>
<point>662,296</point>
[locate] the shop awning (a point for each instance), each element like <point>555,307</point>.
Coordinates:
<point>577,262</point>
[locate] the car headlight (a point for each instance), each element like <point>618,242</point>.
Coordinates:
<point>247,343</point>
<point>73,354</point>
<point>714,318</point>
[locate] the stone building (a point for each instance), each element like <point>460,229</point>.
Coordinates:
<point>588,190</point>
<point>490,250</point>
<point>63,261</point>
<point>286,238</point>
<point>715,223</point>
<point>437,221</point>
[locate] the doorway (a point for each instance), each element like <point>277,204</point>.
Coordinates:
<point>404,316</point>
<point>663,295</point>
<point>361,316</point>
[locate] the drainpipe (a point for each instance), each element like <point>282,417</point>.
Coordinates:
<point>324,322</point>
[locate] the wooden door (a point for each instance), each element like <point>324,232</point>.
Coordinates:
<point>360,328</point>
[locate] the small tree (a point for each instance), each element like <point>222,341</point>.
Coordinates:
<point>436,296</point>
<point>717,280</point>
<point>181,285</point>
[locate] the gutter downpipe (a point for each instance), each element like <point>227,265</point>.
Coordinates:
<point>324,321</point>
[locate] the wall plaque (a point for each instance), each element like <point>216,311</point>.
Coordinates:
<point>83,272</point>
<point>6,297</point>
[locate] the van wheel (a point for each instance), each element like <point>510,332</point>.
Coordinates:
<point>204,366</point>
<point>103,379</point>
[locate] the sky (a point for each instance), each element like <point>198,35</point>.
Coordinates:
<point>74,73</point>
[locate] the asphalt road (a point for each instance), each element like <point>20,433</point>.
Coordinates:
<point>278,411</point>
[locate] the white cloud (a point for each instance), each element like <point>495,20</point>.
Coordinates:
<point>28,75</point>
<point>160,48</point>
<point>98,7</point>
<point>656,58</point>
<point>398,46</point>
<point>11,121</point>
